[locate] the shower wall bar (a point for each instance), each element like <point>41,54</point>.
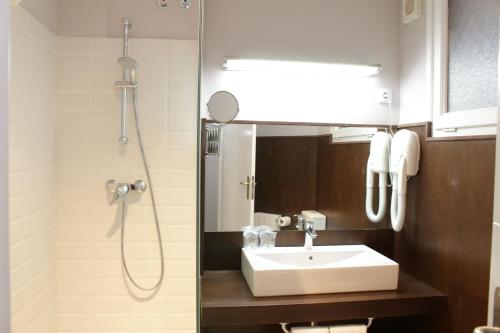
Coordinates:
<point>123,135</point>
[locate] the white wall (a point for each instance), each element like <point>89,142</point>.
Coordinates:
<point>31,174</point>
<point>290,130</point>
<point>495,268</point>
<point>212,192</point>
<point>495,244</point>
<point>102,18</point>
<point>43,10</point>
<point>4,220</point>
<point>353,31</point>
<point>415,70</point>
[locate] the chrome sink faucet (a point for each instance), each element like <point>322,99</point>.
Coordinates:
<point>311,235</point>
<point>308,227</point>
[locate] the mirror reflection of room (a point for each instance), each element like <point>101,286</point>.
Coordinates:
<point>270,175</point>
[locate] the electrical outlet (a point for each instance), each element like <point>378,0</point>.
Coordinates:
<point>384,96</point>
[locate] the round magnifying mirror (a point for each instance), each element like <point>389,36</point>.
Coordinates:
<point>223,107</point>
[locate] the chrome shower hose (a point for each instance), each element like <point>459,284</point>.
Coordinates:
<point>157,285</point>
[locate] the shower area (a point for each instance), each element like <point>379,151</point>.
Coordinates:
<point>102,171</point>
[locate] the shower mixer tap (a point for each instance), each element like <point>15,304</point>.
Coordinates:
<point>121,190</point>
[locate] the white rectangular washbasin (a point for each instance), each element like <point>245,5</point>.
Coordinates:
<point>324,269</point>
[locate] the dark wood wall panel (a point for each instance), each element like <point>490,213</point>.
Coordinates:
<point>223,249</point>
<point>447,236</point>
<point>306,173</point>
<point>342,185</point>
<point>286,174</point>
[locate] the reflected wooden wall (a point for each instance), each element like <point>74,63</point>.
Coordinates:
<point>342,185</point>
<point>286,174</point>
<point>311,173</point>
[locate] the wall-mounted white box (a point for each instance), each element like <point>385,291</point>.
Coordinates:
<point>316,218</point>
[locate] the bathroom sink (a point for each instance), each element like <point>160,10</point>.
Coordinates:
<point>323,269</point>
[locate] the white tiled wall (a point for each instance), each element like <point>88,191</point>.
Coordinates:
<point>66,273</point>
<point>31,173</point>
<point>92,293</point>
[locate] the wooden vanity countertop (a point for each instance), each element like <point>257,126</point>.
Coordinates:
<point>226,300</point>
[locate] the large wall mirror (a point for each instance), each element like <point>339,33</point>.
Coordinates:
<point>265,174</point>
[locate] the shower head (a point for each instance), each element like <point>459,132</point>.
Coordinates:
<point>129,64</point>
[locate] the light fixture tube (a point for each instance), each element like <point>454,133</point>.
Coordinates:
<point>279,66</point>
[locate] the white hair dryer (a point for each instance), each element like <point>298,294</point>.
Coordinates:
<point>405,155</point>
<point>378,162</point>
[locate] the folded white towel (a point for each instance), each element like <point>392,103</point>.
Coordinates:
<point>348,329</point>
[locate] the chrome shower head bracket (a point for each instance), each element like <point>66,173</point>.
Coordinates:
<point>128,78</point>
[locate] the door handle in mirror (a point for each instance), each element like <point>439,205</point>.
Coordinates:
<point>248,185</point>
<point>253,187</point>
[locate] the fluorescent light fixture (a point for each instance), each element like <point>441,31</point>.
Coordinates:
<point>278,66</point>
